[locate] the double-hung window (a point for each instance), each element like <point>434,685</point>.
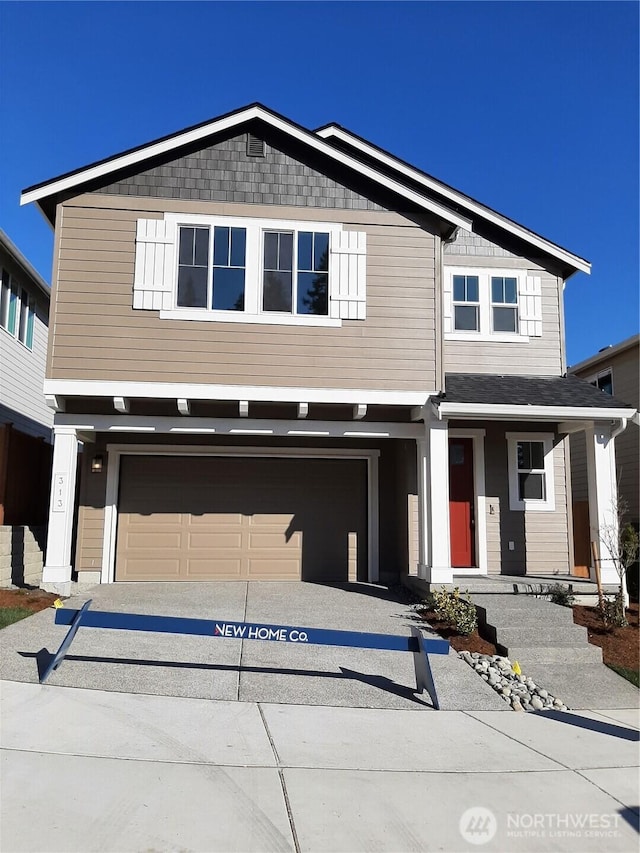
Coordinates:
<point>241,269</point>
<point>17,310</point>
<point>466,303</point>
<point>296,272</point>
<point>211,271</point>
<point>491,305</point>
<point>531,471</point>
<point>504,303</point>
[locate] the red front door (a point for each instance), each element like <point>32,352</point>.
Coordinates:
<point>461,503</point>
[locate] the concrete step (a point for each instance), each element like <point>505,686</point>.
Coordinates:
<point>570,656</point>
<point>567,637</point>
<point>514,618</point>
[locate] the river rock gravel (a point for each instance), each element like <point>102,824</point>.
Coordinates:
<point>520,692</point>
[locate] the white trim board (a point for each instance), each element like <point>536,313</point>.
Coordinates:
<point>213,393</point>
<point>530,413</point>
<point>474,207</point>
<point>180,425</point>
<point>195,134</point>
<point>116,451</point>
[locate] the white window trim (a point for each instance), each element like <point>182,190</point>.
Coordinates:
<point>115,452</point>
<point>255,228</point>
<point>593,378</point>
<point>485,333</point>
<point>531,505</point>
<point>20,290</point>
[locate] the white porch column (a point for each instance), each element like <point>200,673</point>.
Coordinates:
<point>433,497</point>
<point>56,575</point>
<point>603,496</point>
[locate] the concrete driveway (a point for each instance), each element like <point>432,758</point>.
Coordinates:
<point>245,670</point>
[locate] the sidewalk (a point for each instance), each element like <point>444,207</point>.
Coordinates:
<point>87,770</point>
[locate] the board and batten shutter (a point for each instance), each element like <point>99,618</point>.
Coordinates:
<point>530,307</point>
<point>154,266</point>
<point>348,275</point>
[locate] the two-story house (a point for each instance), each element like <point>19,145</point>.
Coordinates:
<point>25,421</point>
<point>616,371</point>
<point>293,356</point>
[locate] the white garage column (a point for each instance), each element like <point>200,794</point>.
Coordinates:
<point>603,496</point>
<point>56,575</point>
<point>433,504</point>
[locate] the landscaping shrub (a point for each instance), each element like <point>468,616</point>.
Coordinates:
<point>458,611</point>
<point>559,594</point>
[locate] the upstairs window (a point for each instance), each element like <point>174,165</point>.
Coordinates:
<point>211,276</point>
<point>17,310</point>
<point>604,381</point>
<point>296,272</point>
<point>242,269</point>
<point>466,303</point>
<point>504,303</point>
<point>491,305</point>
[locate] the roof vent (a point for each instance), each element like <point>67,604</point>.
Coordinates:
<point>255,146</point>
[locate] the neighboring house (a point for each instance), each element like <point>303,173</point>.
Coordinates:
<point>25,419</point>
<point>291,355</point>
<point>616,371</point>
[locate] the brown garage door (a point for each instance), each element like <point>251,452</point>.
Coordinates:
<point>225,518</point>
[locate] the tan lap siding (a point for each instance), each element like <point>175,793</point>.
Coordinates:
<point>541,544</point>
<point>99,336</point>
<point>540,356</point>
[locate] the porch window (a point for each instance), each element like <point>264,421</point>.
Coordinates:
<point>531,471</point>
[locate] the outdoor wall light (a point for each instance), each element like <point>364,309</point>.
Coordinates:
<point>96,464</point>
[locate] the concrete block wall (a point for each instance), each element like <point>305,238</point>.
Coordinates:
<point>21,555</point>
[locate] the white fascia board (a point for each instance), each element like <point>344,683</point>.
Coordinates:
<point>531,413</point>
<point>235,393</point>
<point>194,135</point>
<point>236,426</point>
<point>458,198</point>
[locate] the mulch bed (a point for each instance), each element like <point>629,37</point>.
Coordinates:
<point>28,599</point>
<point>620,646</point>
<point>472,643</point>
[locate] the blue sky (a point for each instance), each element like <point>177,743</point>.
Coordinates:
<point>531,108</point>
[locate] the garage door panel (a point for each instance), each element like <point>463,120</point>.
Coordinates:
<point>151,541</point>
<point>221,569</point>
<point>227,518</point>
<point>218,540</point>
<point>151,567</point>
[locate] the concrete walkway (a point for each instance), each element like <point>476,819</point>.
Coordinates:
<point>87,770</point>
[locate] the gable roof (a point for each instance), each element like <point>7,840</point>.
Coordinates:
<point>452,207</point>
<point>467,205</point>
<point>102,168</point>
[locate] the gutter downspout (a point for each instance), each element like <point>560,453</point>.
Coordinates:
<point>622,425</point>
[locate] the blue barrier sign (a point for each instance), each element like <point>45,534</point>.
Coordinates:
<point>420,646</point>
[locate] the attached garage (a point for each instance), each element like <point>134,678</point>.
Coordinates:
<point>204,518</point>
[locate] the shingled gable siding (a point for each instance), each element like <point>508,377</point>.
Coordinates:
<point>223,172</point>
<point>541,545</point>
<point>99,336</point>
<point>541,356</point>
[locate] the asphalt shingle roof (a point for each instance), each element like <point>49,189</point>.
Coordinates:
<point>526,391</point>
